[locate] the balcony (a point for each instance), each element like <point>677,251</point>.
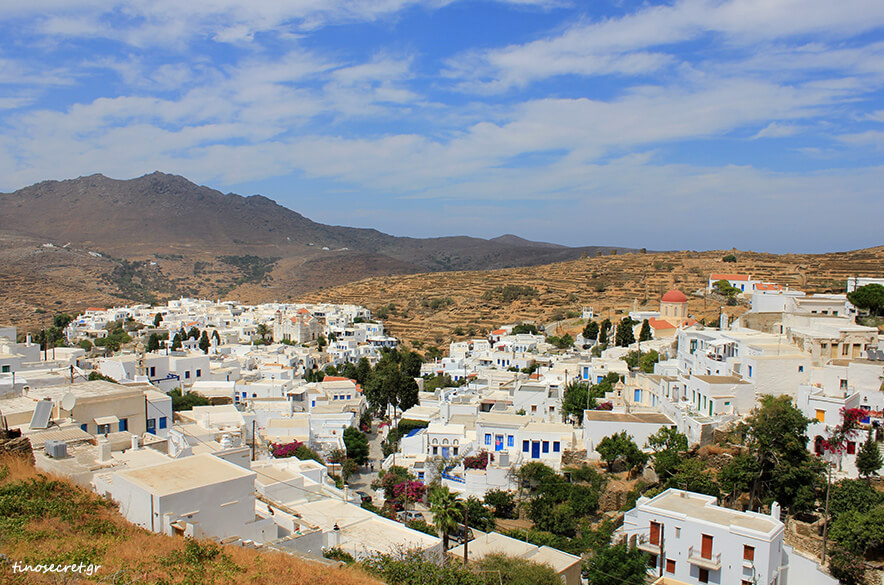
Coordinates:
<point>711,564</point>
<point>648,547</point>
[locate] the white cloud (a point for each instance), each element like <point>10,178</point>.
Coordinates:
<point>777,130</point>
<point>625,45</point>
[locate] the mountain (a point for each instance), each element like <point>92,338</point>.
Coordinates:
<point>161,213</point>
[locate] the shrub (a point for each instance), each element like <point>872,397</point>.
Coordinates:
<point>478,461</point>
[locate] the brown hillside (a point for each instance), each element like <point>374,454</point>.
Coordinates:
<point>609,284</point>
<point>50,520</point>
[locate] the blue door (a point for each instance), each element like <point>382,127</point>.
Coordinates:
<point>498,442</point>
<point>535,449</point>
<point>445,452</point>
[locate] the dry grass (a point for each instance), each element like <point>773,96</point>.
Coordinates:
<point>612,285</point>
<point>74,525</point>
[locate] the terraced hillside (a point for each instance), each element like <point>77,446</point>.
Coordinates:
<point>429,308</point>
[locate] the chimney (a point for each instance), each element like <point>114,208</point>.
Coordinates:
<point>104,451</point>
<point>136,442</point>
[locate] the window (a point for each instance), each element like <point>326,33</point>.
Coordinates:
<point>851,448</point>
<point>510,441</point>
<point>435,450</point>
<point>162,422</point>
<point>546,446</point>
<point>454,450</point>
<point>670,566</point>
<point>103,429</point>
<point>821,415</point>
<point>750,371</point>
<point>844,384</point>
<point>845,348</point>
<point>199,373</point>
<point>557,447</point>
<point>703,577</point>
<point>533,408</point>
<point>5,369</point>
<point>349,396</point>
<point>84,427</point>
<point>152,426</point>
<point>187,375</point>
<point>677,532</point>
<point>652,561</point>
<point>124,424</point>
<point>800,368</point>
<point>487,438</point>
<point>525,446</point>
<point>748,553</point>
<point>153,371</point>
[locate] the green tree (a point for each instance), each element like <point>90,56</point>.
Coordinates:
<point>692,475</point>
<point>575,400</point>
<point>668,445</point>
<point>604,330</point>
<point>868,459</point>
<point>739,474</point>
<point>194,333</point>
<point>176,342</point>
<point>645,333</point>
<point>869,297</point>
<point>357,445</point>
<point>447,511</point>
<point>157,319</point>
<point>502,502</point>
<point>853,495</point>
<point>391,383</point>
<point>847,567</point>
<point>618,564</point>
<point>525,328</point>
<point>788,473</point>
<point>186,401</point>
<point>153,342</point>
<point>204,342</point>
<point>729,258</point>
<point>624,336</point>
<point>321,342</point>
<point>84,344</point>
<point>621,448</point>
<point>725,288</point>
<point>216,337</point>
<point>480,516</point>
<point>643,361</point>
<point>591,331</point>
<point>859,532</point>
<point>498,568</point>
<point>263,331</point>
<point>563,342</point>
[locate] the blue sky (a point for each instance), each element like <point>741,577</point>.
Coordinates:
<point>692,124</point>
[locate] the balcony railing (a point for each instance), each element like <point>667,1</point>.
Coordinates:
<point>696,558</point>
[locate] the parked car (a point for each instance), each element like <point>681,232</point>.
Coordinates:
<point>365,498</point>
<point>410,515</point>
<point>457,534</point>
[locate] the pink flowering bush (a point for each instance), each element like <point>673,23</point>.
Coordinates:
<point>605,406</point>
<point>836,444</point>
<point>478,461</point>
<point>284,450</point>
<point>409,491</point>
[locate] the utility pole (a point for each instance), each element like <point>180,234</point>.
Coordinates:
<point>254,424</point>
<point>826,513</point>
<point>662,554</point>
<point>466,534</point>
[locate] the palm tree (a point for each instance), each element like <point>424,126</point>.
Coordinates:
<point>447,511</point>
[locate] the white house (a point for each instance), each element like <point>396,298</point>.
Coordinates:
<point>693,540</point>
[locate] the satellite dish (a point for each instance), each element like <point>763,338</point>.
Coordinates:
<point>68,401</point>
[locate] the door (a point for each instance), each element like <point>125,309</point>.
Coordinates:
<point>535,449</point>
<point>706,550</point>
<point>445,452</point>
<point>655,533</point>
<point>498,442</point>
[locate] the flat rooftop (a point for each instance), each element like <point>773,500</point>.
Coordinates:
<point>721,379</point>
<point>185,474</point>
<point>496,543</point>
<point>704,508</point>
<point>622,417</point>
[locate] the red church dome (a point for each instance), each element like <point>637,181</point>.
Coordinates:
<point>674,296</point>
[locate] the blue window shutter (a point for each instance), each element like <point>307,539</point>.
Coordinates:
<point>487,438</point>
<point>546,446</point>
<point>556,446</point>
<point>162,422</point>
<point>525,446</point>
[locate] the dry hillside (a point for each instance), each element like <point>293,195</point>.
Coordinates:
<point>610,284</point>
<point>46,520</point>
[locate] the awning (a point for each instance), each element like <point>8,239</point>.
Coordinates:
<point>106,420</point>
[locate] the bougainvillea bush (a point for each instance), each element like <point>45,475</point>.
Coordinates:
<point>284,450</point>
<point>478,461</point>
